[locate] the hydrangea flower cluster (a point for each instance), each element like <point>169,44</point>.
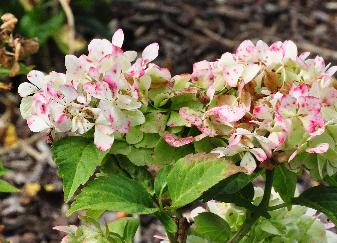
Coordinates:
<point>103,89</point>
<point>267,103</point>
<point>299,224</point>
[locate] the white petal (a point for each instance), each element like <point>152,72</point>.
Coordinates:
<point>37,124</point>
<point>69,93</point>
<point>228,151</point>
<point>98,48</point>
<point>102,141</point>
<point>117,118</point>
<point>118,38</point>
<point>248,162</point>
<point>72,63</point>
<point>81,125</point>
<point>250,72</point>
<point>130,55</point>
<point>37,78</point>
<point>290,50</point>
<point>226,59</point>
<point>232,74</point>
<point>227,113</point>
<point>26,107</point>
<point>26,89</point>
<point>331,71</point>
<point>304,55</point>
<point>99,90</point>
<point>150,52</point>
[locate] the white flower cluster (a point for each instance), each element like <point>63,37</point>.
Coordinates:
<point>103,89</point>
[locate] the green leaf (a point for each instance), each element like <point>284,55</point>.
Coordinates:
<point>140,156</point>
<point>24,69</point>
<point>125,227</point>
<point>120,165</point>
<point>175,120</point>
<point>284,182</point>
<point>139,173</point>
<point>155,122</point>
<point>31,25</point>
<point>321,198</point>
<point>2,168</point>
<point>166,154</point>
<point>186,100</point>
<point>236,189</point>
<point>241,198</point>
<point>134,135</point>
<point>268,227</point>
<point>194,174</point>
<point>77,159</point>
<point>136,117</point>
<point>4,72</point>
<point>332,130</point>
<point>208,144</point>
<point>232,184</point>
<point>150,140</point>
<point>114,193</point>
<point>6,187</point>
<point>331,180</point>
<point>94,214</point>
<point>195,239</point>
<point>169,224</point>
<point>212,227</point>
<point>120,147</point>
<point>160,182</point>
<point>296,136</point>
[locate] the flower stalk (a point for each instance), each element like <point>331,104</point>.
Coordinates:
<point>252,217</point>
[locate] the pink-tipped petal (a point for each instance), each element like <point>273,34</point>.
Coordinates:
<point>319,149</point>
<point>259,154</point>
<point>102,141</point>
<point>150,52</point>
<point>37,124</point>
<point>118,38</point>
<point>245,50</point>
<point>298,91</point>
<point>175,141</point>
<point>263,112</point>
<point>191,116</point>
<point>228,113</point>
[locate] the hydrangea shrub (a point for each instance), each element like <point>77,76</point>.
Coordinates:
<point>137,139</point>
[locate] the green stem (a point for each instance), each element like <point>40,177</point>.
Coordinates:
<point>171,237</point>
<point>245,227</point>
<point>252,217</point>
<point>282,205</point>
<point>267,189</point>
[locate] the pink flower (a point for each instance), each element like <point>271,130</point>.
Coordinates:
<point>299,103</point>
